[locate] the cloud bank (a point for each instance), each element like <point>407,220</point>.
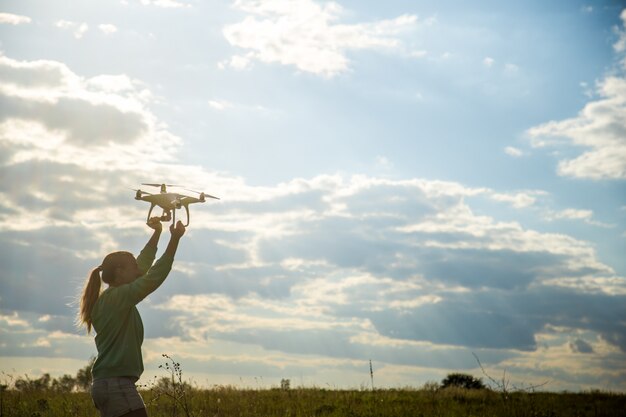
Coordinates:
<point>310,276</point>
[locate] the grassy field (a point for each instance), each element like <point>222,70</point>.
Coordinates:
<point>225,401</point>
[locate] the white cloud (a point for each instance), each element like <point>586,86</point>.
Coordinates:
<point>576,214</point>
<point>610,285</point>
<point>14,19</point>
<point>600,128</point>
<point>237,62</point>
<point>488,62</point>
<point>511,68</point>
<point>220,104</point>
<point>78,29</point>
<point>418,54</point>
<point>53,114</point>
<point>620,44</point>
<point>13,320</point>
<point>573,214</point>
<point>107,28</point>
<point>586,9</point>
<point>225,105</point>
<point>119,84</point>
<point>517,200</point>
<point>34,76</point>
<point>512,151</point>
<point>587,91</point>
<point>304,34</point>
<point>383,162</point>
<point>484,232</point>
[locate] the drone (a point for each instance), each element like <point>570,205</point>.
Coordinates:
<point>170,202</point>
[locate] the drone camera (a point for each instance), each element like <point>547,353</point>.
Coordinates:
<point>166,216</point>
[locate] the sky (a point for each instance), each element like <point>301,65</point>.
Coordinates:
<point>407,182</point>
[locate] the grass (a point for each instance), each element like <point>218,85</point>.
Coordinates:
<point>171,396</point>
<point>315,402</point>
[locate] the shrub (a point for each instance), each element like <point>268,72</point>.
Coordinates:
<point>462,381</point>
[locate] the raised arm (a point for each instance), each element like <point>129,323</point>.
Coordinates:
<point>155,224</point>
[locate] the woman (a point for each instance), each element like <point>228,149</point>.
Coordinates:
<point>119,330</point>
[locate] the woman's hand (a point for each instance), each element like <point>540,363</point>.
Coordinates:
<point>178,231</point>
<point>155,224</point>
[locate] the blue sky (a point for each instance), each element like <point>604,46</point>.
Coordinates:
<point>409,183</point>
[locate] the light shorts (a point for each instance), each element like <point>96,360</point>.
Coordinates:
<point>116,396</point>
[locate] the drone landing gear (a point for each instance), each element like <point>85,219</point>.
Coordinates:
<point>169,215</point>
<point>165,217</point>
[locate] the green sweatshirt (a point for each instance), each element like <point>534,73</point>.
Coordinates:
<point>118,325</point>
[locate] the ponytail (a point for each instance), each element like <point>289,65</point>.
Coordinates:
<point>91,291</point>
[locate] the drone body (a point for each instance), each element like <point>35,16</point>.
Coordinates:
<point>169,201</point>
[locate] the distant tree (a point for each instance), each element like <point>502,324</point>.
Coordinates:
<point>22,384</point>
<point>285,384</point>
<point>83,376</point>
<point>29,385</point>
<point>462,381</point>
<point>167,384</point>
<point>431,386</point>
<point>66,383</point>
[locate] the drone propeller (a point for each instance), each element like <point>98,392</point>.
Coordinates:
<point>202,193</point>
<point>141,191</point>
<point>160,185</point>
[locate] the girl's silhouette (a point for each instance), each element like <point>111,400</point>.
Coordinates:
<point>114,316</point>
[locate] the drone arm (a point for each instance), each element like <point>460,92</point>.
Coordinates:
<point>185,201</point>
<point>150,211</point>
<point>187,210</point>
